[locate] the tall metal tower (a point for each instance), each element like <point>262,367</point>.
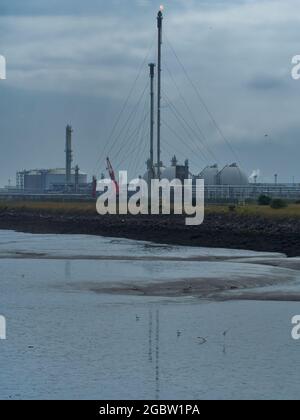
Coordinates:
<point>151,163</point>
<point>159,26</point>
<point>68,151</point>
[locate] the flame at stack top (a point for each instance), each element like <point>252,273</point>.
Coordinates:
<point>161,7</point>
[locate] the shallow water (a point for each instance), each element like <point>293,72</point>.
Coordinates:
<point>65,341</point>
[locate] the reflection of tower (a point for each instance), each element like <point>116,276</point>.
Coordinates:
<point>157,378</point>
<point>150,335</point>
<point>151,343</point>
<point>68,270</point>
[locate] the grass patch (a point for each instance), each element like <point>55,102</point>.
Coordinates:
<point>79,208</point>
<point>50,207</point>
<point>292,210</point>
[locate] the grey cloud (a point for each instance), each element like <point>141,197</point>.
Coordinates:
<point>264,82</point>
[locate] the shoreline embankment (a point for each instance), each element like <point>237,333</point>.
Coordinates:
<point>241,229</point>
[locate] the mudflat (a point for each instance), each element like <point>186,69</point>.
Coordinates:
<point>219,230</point>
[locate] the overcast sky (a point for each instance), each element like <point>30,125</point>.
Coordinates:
<point>71,61</point>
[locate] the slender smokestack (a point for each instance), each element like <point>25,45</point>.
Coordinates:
<point>68,153</point>
<point>76,178</point>
<point>152,66</point>
<point>159,26</point>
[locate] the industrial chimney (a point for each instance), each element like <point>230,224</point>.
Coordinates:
<point>68,153</point>
<point>76,178</point>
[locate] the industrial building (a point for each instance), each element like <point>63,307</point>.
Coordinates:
<point>58,180</point>
<point>230,184</point>
<point>47,180</point>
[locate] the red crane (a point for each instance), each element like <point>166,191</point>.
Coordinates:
<point>112,174</point>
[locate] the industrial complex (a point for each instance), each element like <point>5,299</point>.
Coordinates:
<point>59,183</point>
<point>222,184</point>
<point>59,180</point>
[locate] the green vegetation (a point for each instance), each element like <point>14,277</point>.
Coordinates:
<point>291,211</point>
<point>277,203</point>
<point>49,207</point>
<point>264,200</point>
<point>77,208</point>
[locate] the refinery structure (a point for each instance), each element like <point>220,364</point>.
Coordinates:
<point>67,180</point>
<point>226,184</point>
<point>222,184</point>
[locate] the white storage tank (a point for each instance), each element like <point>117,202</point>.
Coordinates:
<point>232,175</point>
<point>58,176</point>
<point>209,175</point>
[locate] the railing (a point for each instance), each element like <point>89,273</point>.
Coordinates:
<point>251,191</point>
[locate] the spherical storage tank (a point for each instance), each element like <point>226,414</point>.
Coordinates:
<point>209,175</point>
<point>232,175</point>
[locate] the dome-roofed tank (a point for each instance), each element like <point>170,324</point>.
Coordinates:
<point>232,175</point>
<point>209,175</point>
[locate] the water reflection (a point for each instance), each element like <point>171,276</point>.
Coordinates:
<point>157,367</point>
<point>68,273</point>
<point>150,335</point>
<point>157,348</point>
